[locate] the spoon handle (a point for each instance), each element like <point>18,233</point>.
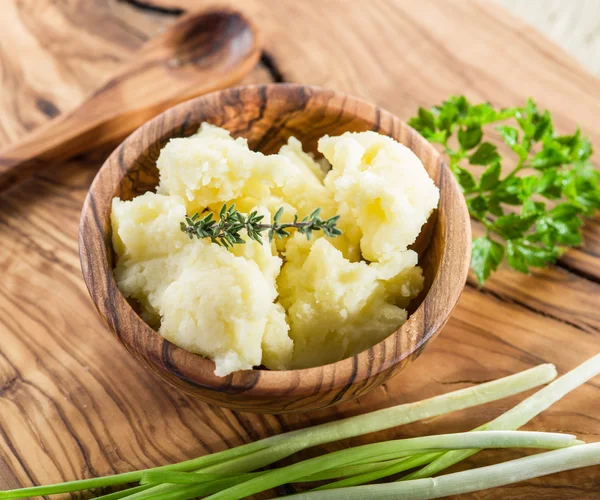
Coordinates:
<point>202,52</point>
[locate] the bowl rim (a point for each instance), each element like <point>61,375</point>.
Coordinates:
<point>94,240</point>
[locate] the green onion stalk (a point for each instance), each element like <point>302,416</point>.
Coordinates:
<point>258,454</point>
<point>401,447</point>
<point>468,481</point>
<point>512,419</point>
<point>520,414</point>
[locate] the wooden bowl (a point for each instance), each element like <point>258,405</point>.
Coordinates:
<point>267,115</point>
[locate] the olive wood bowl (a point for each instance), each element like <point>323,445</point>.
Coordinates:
<point>267,115</point>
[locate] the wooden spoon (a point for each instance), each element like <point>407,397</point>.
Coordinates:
<point>202,52</point>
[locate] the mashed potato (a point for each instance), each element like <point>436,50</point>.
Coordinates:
<point>336,308</point>
<point>201,296</point>
<point>292,303</point>
<point>210,167</point>
<point>293,151</point>
<point>381,189</point>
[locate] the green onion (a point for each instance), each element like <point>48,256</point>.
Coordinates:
<point>255,455</point>
<point>403,447</point>
<point>353,469</point>
<point>239,465</point>
<point>153,478</point>
<point>471,480</point>
<point>130,477</point>
<point>193,491</point>
<point>520,414</point>
<point>117,495</point>
<point>174,477</point>
<point>289,443</point>
<point>390,470</point>
<point>512,419</point>
<point>427,408</point>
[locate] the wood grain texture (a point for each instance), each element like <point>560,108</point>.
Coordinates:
<point>74,404</point>
<point>575,26</point>
<point>473,48</point>
<point>267,116</point>
<point>201,52</point>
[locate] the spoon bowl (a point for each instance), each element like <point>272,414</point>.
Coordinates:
<point>267,115</point>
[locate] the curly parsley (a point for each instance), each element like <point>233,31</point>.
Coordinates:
<point>551,189</point>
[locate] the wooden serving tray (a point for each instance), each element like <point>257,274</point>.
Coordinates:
<point>74,404</point>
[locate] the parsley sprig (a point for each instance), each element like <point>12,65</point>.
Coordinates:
<point>226,231</point>
<point>551,188</point>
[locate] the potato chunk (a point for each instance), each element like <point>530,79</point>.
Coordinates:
<point>336,308</point>
<point>381,187</point>
<point>199,295</point>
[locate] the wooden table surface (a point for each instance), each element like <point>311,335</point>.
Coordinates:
<point>74,404</point>
<point>574,25</point>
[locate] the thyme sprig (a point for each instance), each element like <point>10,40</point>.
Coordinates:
<point>226,231</point>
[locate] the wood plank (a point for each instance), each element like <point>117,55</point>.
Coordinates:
<point>74,404</point>
<point>572,25</point>
<point>371,58</point>
<point>53,56</point>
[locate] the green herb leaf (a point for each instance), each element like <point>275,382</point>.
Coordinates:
<point>514,258</point>
<point>477,206</point>
<point>424,122</point>
<point>480,114</point>
<point>486,256</point>
<point>557,169</point>
<point>549,184</point>
<point>494,207</point>
<point>438,137</point>
<point>509,134</point>
<point>278,214</point>
<point>581,186</point>
<point>528,186</point>
<point>226,232</point>
<point>484,154</point>
<point>491,177</point>
<point>508,191</point>
<point>521,151</point>
<point>571,141</point>
<point>470,136</point>
<point>522,253</point>
<point>531,207</point>
<point>427,119</point>
<point>465,179</point>
<point>535,125</point>
<point>561,225</point>
<point>514,226</point>
<point>446,117</point>
<point>582,150</point>
<point>552,155</point>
